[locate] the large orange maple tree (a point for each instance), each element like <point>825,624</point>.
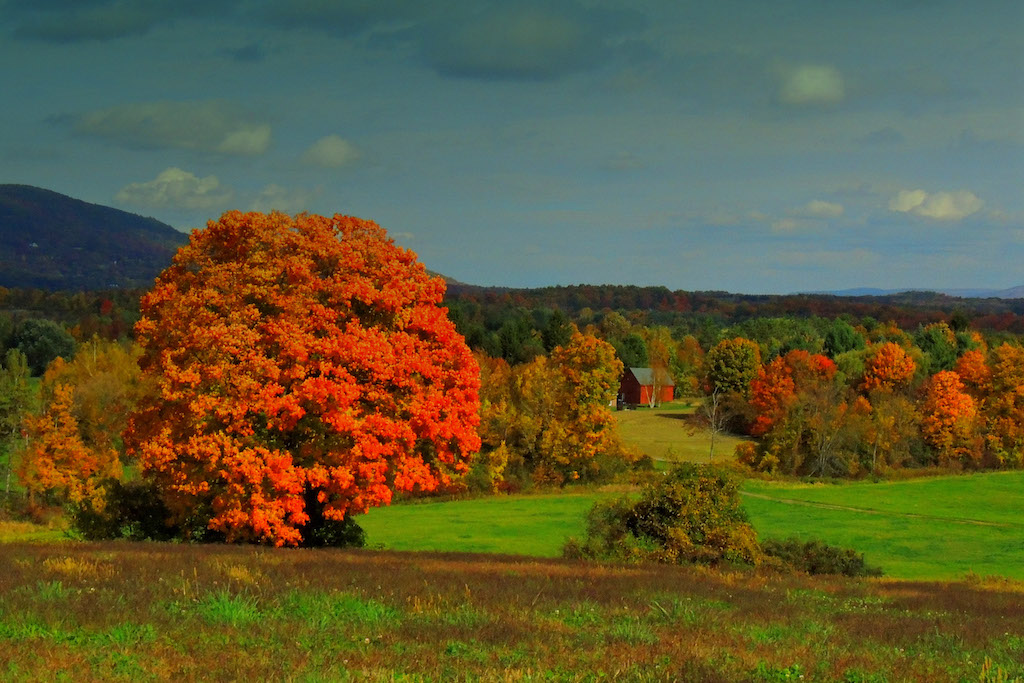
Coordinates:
<point>305,371</point>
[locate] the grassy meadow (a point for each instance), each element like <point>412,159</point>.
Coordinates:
<point>665,434</point>
<point>149,611</point>
<point>975,525</point>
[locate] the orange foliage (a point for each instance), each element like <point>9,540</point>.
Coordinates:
<point>974,372</point>
<point>888,368</point>
<point>777,385</point>
<point>771,394</point>
<point>948,418</point>
<point>56,460</point>
<point>299,362</point>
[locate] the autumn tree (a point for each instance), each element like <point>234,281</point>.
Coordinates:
<point>588,374</point>
<point>304,372</point>
<point>948,419</point>
<point>888,368</point>
<point>56,462</point>
<point>550,419</point>
<point>1003,409</point>
<point>972,367</point>
<point>107,384</point>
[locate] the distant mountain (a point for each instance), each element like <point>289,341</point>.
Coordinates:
<point>51,241</point>
<point>1011,293</point>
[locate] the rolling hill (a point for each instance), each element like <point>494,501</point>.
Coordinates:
<point>54,242</point>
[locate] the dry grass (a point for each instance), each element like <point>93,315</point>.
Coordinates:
<point>666,434</point>
<point>179,612</point>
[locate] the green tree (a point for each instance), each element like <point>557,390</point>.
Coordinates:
<point>631,350</point>
<point>841,338</point>
<point>731,365</point>
<point>557,332</point>
<point>14,403</point>
<point>41,341</point>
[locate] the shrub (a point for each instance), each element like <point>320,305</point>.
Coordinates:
<point>816,557</point>
<point>692,515</point>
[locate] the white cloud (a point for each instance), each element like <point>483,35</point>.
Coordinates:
<point>811,84</point>
<point>818,208</point>
<point>277,198</point>
<point>786,225</point>
<point>176,188</point>
<point>332,151</point>
<point>940,206</point>
<point>246,140</point>
<point>212,126</point>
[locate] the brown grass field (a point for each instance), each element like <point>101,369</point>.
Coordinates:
<point>119,611</point>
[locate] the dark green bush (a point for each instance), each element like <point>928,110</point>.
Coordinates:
<point>816,557</point>
<point>131,510</point>
<point>692,515</point>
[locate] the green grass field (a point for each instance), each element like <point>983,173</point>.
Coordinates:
<point>883,525</point>
<point>180,612</point>
<point>516,525</point>
<point>665,434</point>
<point>934,528</point>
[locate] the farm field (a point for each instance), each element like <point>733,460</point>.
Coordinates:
<point>934,528</point>
<point>881,524</point>
<point>149,611</point>
<point>664,434</point>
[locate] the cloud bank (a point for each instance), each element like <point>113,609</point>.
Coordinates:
<point>810,85</point>
<point>940,206</point>
<point>211,126</point>
<point>332,151</point>
<point>176,189</point>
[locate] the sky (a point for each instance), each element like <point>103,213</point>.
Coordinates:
<point>746,146</point>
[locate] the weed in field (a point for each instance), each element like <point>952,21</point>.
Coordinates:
<point>51,591</point>
<point>859,676</point>
<point>224,607</point>
<point>631,630</point>
<point>130,635</point>
<point>770,674</point>
<point>78,567</point>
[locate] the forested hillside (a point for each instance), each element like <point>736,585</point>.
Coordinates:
<point>53,242</point>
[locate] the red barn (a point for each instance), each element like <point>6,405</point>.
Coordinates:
<point>639,385</point>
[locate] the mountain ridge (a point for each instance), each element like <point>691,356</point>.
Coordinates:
<point>51,241</point>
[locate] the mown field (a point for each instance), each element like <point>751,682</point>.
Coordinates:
<point>975,523</point>
<point>665,434</point>
<point>118,611</point>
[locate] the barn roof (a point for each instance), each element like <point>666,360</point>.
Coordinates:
<point>645,376</point>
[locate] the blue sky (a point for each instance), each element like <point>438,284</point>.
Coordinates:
<point>744,146</point>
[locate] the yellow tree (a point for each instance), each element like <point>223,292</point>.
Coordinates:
<point>1004,406</point>
<point>107,384</point>
<point>56,462</point>
<point>588,373</point>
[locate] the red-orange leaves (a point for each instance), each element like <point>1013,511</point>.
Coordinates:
<point>300,362</point>
<point>948,416</point>
<point>888,368</point>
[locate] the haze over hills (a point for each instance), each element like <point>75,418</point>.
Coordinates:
<point>1011,293</point>
<point>51,241</point>
<point>55,242</point>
